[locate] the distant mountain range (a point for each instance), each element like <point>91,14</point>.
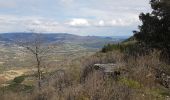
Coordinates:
<point>86,41</point>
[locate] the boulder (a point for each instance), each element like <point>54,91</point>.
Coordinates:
<point>109,69</point>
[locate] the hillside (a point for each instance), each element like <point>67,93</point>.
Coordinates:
<point>70,47</point>
<point>78,69</point>
<point>86,41</point>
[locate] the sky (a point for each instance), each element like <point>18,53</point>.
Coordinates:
<point>80,17</point>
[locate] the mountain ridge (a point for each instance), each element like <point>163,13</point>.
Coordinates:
<point>87,41</point>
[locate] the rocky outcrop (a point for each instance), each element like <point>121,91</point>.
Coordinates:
<point>163,79</point>
<point>109,69</point>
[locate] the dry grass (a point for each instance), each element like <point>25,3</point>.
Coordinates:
<point>138,83</point>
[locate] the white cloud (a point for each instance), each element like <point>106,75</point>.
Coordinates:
<point>78,22</point>
<point>10,23</point>
<point>14,23</point>
<point>73,16</point>
<point>124,22</point>
<point>101,23</point>
<point>120,22</point>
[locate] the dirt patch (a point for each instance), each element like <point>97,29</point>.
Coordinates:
<point>2,79</point>
<point>11,74</point>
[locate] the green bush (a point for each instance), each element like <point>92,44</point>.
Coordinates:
<point>111,47</point>
<point>19,79</point>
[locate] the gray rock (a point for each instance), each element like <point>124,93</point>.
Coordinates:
<point>109,69</point>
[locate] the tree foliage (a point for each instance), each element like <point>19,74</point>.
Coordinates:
<point>155,29</point>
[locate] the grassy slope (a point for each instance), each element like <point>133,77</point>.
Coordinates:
<point>136,77</point>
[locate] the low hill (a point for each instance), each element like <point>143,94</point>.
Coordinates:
<point>86,41</point>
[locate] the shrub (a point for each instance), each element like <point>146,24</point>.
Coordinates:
<point>19,79</point>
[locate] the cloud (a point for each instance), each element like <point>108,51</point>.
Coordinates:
<point>73,16</point>
<point>128,21</point>
<point>78,22</point>
<point>15,23</point>
<point>120,22</point>
<point>10,23</point>
<point>101,23</point>
<point>80,26</point>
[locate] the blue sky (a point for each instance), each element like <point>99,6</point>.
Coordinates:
<point>81,17</point>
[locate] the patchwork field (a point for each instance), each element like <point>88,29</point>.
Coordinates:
<point>15,62</point>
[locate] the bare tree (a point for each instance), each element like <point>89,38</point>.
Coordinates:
<point>39,49</point>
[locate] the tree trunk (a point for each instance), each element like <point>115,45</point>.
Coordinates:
<point>39,71</point>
